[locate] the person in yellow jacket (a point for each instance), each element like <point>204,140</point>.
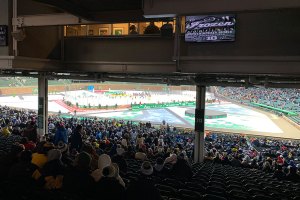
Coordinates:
<point>40,157</point>
<point>5,131</point>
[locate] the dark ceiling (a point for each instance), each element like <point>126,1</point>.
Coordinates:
<point>101,10</point>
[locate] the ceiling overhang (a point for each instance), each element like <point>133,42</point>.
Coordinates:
<point>101,10</point>
<point>143,73</point>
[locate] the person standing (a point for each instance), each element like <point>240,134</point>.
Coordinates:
<point>76,140</point>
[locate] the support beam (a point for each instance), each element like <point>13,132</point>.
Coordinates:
<point>48,20</point>
<point>199,124</point>
<point>42,106</point>
<point>15,14</point>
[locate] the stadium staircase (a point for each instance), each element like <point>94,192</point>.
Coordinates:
<point>69,108</point>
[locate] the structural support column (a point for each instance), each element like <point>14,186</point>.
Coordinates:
<point>199,123</point>
<point>42,106</point>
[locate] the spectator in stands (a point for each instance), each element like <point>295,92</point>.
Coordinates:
<point>95,157</point>
<point>103,161</point>
<point>110,185</point>
<point>172,159</point>
<point>76,139</point>
<point>279,174</point>
<point>21,172</point>
<point>12,158</point>
<point>53,171</point>
<point>5,129</point>
<point>144,186</point>
<point>60,134</point>
<point>166,30</point>
<point>122,164</point>
<point>152,29</point>
<point>29,145</point>
<point>132,30</point>
<point>181,169</point>
<point>40,157</point>
<point>140,155</point>
<point>267,165</point>
<point>79,180</point>
<point>30,132</point>
<point>292,174</point>
<point>235,162</point>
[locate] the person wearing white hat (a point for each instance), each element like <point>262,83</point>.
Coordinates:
<point>103,161</point>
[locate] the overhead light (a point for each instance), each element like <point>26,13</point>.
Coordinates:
<point>160,16</point>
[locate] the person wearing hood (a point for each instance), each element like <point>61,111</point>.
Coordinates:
<point>103,161</point>
<point>60,134</point>
<point>110,183</point>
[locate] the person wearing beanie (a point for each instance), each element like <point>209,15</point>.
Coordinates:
<point>103,161</point>
<point>78,180</point>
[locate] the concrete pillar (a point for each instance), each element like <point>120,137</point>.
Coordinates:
<point>4,29</point>
<point>42,106</point>
<point>199,123</point>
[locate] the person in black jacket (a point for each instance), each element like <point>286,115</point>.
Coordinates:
<point>79,180</point>
<point>181,169</point>
<point>76,140</point>
<point>109,185</point>
<point>22,170</point>
<point>144,187</point>
<point>279,174</point>
<point>53,171</point>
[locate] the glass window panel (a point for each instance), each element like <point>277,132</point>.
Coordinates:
<point>120,29</point>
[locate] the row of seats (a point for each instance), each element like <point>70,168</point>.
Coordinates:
<point>216,181</point>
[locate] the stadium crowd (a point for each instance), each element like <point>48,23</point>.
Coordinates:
<point>287,98</point>
<point>84,158</point>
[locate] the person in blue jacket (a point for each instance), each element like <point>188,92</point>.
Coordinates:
<point>60,134</point>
